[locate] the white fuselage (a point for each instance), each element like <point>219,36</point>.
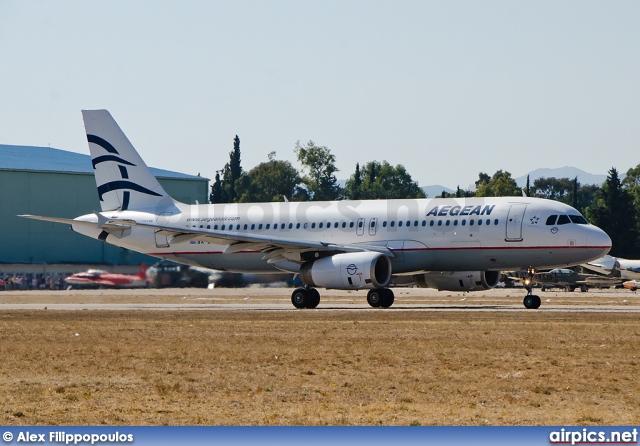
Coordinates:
<point>455,234</point>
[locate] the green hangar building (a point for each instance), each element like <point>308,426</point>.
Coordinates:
<point>57,183</point>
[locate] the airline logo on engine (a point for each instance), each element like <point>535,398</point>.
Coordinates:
<point>443,211</point>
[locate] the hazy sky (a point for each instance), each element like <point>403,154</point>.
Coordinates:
<point>446,88</point>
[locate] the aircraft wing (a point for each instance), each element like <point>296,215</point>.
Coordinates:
<point>273,246</point>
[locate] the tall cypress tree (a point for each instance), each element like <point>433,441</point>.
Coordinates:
<point>235,171</point>
<point>357,183</point>
<point>223,190</point>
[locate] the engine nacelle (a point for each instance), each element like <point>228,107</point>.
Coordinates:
<point>458,280</point>
<point>350,271</point>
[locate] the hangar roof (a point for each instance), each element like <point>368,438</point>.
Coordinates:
<point>47,159</point>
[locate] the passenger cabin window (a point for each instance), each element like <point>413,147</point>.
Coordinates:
<point>563,220</point>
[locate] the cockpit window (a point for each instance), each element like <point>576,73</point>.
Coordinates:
<point>551,220</point>
<point>563,220</point>
<point>578,219</point>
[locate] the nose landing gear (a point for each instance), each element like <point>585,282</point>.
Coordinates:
<point>530,301</point>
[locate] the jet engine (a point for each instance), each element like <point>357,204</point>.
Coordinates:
<point>350,271</point>
<point>458,280</point>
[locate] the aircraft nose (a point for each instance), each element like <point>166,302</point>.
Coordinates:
<point>599,241</point>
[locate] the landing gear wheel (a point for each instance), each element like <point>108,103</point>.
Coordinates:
<point>314,298</point>
<point>300,297</point>
<point>375,297</point>
<point>531,302</point>
<point>305,298</point>
<point>387,299</point>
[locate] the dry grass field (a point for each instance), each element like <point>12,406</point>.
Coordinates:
<point>337,367</point>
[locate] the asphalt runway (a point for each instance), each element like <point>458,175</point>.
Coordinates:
<point>278,299</point>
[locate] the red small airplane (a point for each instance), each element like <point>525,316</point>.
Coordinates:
<point>99,278</point>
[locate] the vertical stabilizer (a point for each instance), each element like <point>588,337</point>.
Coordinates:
<point>124,181</point>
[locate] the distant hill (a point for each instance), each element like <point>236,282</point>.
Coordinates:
<point>562,172</point>
<point>436,190</point>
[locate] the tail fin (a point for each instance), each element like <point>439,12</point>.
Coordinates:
<point>124,181</point>
<point>142,271</point>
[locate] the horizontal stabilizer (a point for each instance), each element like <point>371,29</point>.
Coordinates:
<point>89,224</point>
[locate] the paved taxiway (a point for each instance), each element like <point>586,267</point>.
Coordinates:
<point>278,299</point>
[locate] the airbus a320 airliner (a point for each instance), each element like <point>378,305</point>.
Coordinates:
<point>453,244</point>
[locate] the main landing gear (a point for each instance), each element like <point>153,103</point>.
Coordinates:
<point>310,297</point>
<point>380,298</point>
<point>305,298</point>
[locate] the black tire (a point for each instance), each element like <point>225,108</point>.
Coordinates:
<point>300,298</point>
<point>314,298</point>
<point>537,302</point>
<point>387,298</point>
<point>531,302</point>
<point>375,297</point>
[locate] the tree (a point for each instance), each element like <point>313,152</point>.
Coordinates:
<point>223,190</point>
<point>235,169</point>
<point>500,185</point>
<point>632,184</point>
<point>553,188</point>
<point>353,187</point>
<point>271,181</point>
<point>218,194</point>
<point>388,182</point>
<point>483,178</point>
<point>614,213</point>
<point>320,166</point>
